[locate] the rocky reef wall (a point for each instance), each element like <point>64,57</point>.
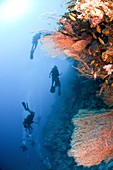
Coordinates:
<point>78,132</point>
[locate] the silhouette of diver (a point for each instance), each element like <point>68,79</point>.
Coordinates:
<point>24,147</point>
<point>34,44</point>
<point>35,39</point>
<point>29,119</point>
<point>55,80</point>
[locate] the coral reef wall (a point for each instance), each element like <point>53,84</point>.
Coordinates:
<point>75,136</point>
<point>74,131</point>
<point>85,33</point>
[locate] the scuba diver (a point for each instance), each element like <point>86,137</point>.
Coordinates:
<point>29,119</point>
<point>35,39</point>
<point>55,80</point>
<point>24,147</point>
<point>34,44</point>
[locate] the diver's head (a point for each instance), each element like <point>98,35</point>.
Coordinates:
<point>55,66</point>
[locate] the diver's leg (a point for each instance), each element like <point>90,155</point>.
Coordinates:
<point>32,48</point>
<point>27,107</point>
<point>35,45</point>
<point>31,54</point>
<point>59,89</point>
<point>30,129</point>
<point>59,92</point>
<point>52,82</point>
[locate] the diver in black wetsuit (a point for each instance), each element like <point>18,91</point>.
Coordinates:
<point>55,80</point>
<point>29,119</point>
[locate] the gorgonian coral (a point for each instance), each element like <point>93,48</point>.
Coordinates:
<point>92,137</point>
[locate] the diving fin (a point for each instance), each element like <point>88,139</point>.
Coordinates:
<point>24,105</point>
<point>52,90</point>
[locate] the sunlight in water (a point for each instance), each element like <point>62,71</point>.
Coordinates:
<point>12,10</point>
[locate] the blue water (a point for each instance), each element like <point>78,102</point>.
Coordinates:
<point>22,79</point>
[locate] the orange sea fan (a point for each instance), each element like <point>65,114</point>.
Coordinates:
<point>80,45</point>
<point>107,94</point>
<point>92,139</point>
<point>55,44</point>
<point>59,44</point>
